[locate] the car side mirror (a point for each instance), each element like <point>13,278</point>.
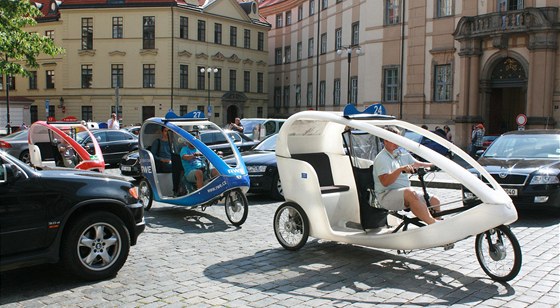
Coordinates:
<point>3,174</point>
<point>10,174</point>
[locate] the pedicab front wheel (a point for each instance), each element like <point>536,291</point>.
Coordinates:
<point>498,253</point>
<point>145,194</point>
<point>237,207</point>
<point>291,226</point>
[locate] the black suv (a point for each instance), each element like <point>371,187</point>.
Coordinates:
<point>84,219</point>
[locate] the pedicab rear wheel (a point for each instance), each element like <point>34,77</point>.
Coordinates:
<point>145,194</point>
<point>291,226</point>
<point>237,207</point>
<point>498,253</point>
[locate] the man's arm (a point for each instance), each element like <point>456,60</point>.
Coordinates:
<point>390,178</point>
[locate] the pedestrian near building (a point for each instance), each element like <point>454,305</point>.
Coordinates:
<point>448,133</point>
<point>113,122</point>
<point>236,125</point>
<point>476,139</point>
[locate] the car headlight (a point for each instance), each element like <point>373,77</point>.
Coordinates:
<point>256,169</point>
<point>540,179</point>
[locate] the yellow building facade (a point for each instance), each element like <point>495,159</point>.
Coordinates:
<point>146,57</point>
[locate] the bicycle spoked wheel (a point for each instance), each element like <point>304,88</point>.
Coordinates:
<point>498,253</point>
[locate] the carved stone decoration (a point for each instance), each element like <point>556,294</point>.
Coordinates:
<point>261,63</point>
<point>117,53</point>
<point>509,69</point>
<point>248,61</point>
<point>218,57</point>
<point>201,56</point>
<point>145,52</point>
<point>234,59</point>
<point>88,52</point>
<point>184,53</point>
<point>500,41</point>
<point>234,96</point>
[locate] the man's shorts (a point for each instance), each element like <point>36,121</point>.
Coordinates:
<point>392,200</point>
<point>191,176</point>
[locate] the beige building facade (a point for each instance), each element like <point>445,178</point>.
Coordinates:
<point>145,57</point>
<point>450,62</point>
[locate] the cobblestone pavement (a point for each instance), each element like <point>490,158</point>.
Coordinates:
<point>193,258</point>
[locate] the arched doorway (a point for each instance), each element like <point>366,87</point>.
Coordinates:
<point>507,89</point>
<point>232,113</point>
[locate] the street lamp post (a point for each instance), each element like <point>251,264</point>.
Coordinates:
<point>208,70</point>
<point>349,50</point>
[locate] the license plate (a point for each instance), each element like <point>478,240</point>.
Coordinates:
<point>125,168</point>
<point>511,191</point>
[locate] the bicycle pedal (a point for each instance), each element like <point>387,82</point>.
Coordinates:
<point>448,246</point>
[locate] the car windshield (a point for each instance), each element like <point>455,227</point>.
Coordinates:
<point>81,136</point>
<point>525,146</point>
<point>19,135</point>
<point>249,125</point>
<point>269,144</point>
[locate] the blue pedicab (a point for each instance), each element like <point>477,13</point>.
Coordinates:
<point>168,183</point>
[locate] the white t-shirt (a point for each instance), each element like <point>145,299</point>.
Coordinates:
<point>113,124</point>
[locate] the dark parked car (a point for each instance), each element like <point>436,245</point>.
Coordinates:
<point>527,165</point>
<point>84,219</point>
<point>16,145</point>
<point>113,143</point>
<point>215,140</point>
<point>262,168</point>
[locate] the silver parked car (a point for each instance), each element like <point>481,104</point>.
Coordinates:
<point>16,145</point>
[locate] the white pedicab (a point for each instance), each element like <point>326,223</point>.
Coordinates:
<point>326,174</point>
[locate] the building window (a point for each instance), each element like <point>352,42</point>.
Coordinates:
<point>444,8</point>
<point>391,85</point>
<point>247,81</point>
<point>288,54</point>
<point>87,76</point>
<point>277,97</point>
<point>260,41</point>
<point>510,5</point>
<point>87,33</point>
<point>260,83</point>
<point>52,111</point>
<point>354,90</point>
<point>279,20</point>
<point>260,113</point>
<point>33,114</point>
<point>117,27</point>
<point>202,31</point>
<point>50,34</point>
<point>299,51</point>
<point>50,79</point>
<point>218,34</point>
<point>87,113</point>
<point>298,95</point>
<point>183,109</point>
<point>33,80</point>
<point>443,83</point>
<point>392,12</point>
<point>149,32</point>
<point>309,94</point>
<point>200,78</point>
<point>278,56</point>
<point>218,80</point>
<point>184,27</point>
<point>12,82</point>
<point>184,76</point>
<point>233,36</point>
<point>336,92</point>
<point>355,33</point>
<point>337,38</point>
<point>324,4</point>
<point>310,48</point>
<point>149,75</point>
<point>232,80</point>
<point>117,73</point>
<point>247,38</point>
<point>288,18</point>
<point>311,7</point>
<point>300,12</point>
<point>286,100</point>
<point>323,43</point>
<point>322,91</point>
<point>1,82</point>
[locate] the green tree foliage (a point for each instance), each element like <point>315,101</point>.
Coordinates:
<point>19,49</point>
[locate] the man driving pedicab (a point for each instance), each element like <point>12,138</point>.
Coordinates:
<point>195,169</point>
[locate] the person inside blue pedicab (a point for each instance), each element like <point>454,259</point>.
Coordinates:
<point>161,150</point>
<point>194,166</point>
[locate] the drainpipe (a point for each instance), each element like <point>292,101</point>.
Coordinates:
<point>318,44</point>
<point>402,61</point>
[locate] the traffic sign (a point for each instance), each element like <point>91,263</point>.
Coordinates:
<point>47,102</point>
<point>521,119</point>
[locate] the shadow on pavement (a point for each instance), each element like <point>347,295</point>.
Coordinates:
<point>336,267</point>
<point>186,219</point>
<point>537,218</point>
